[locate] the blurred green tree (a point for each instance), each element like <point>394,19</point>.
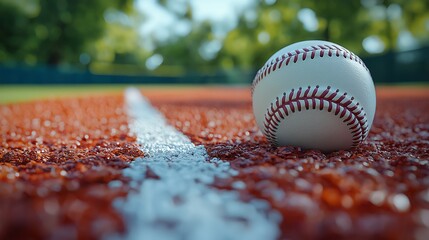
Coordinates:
<point>78,31</point>
<point>391,20</point>
<point>181,50</point>
<point>15,31</point>
<point>270,25</point>
<point>348,23</point>
<point>185,50</point>
<point>280,23</point>
<point>52,32</point>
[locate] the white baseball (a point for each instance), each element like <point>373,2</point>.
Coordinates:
<point>315,95</point>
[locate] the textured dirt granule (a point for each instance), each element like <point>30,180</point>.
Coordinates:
<point>60,168</point>
<point>378,190</point>
<point>61,163</point>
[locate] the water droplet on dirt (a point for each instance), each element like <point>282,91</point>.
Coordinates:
<point>239,185</point>
<point>115,184</point>
<point>47,123</point>
<point>400,202</point>
<point>377,197</point>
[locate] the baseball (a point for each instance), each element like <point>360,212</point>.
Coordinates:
<point>314,95</point>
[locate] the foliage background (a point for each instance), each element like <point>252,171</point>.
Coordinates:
<point>104,37</point>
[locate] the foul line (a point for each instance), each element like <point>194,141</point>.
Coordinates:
<point>174,199</point>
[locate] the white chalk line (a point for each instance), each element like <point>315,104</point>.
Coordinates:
<point>180,204</point>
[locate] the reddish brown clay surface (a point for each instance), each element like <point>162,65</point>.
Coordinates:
<point>378,191</point>
<point>57,160</point>
<point>61,161</point>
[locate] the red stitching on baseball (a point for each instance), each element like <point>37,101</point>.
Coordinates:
<point>293,56</point>
<point>347,109</point>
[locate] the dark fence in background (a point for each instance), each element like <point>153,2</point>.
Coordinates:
<point>48,75</point>
<point>393,67</point>
<point>400,67</point>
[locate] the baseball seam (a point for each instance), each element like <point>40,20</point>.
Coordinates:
<point>303,55</point>
<point>347,109</point>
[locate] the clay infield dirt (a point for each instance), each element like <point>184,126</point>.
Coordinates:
<point>61,163</point>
